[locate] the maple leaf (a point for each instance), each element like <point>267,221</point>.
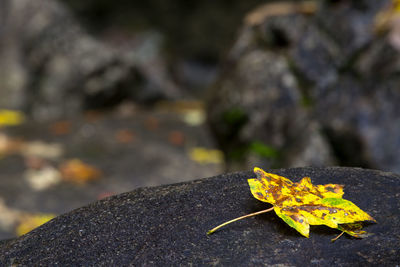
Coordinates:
<point>303,204</point>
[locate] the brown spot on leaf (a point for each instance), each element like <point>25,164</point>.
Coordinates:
<point>330,189</point>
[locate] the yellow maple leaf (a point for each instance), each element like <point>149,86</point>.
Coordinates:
<point>303,204</point>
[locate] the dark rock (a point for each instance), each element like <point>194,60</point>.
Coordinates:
<point>51,67</point>
<point>348,23</point>
<point>332,95</point>
<point>197,30</point>
<point>167,225</point>
<point>363,114</point>
<point>258,109</point>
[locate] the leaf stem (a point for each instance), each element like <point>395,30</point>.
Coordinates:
<point>336,238</point>
<point>237,219</point>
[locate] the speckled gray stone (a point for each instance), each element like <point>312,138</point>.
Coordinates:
<point>167,225</point>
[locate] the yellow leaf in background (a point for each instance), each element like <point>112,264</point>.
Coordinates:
<point>206,156</point>
<point>180,106</point>
<point>259,14</point>
<point>193,112</point>
<point>11,117</point>
<point>385,19</point>
<point>30,222</point>
<point>78,172</point>
<point>194,117</point>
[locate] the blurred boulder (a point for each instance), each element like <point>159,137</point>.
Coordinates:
<point>310,84</point>
<point>52,67</point>
<point>195,32</point>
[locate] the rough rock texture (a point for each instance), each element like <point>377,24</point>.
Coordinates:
<point>310,87</point>
<point>167,225</point>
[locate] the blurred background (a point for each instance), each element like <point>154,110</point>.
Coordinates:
<point>102,97</point>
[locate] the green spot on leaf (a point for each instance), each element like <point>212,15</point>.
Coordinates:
<point>335,201</point>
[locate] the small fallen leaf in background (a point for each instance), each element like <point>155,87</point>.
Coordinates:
<point>258,15</point>
<point>303,204</point>
<point>78,172</point>
<point>176,138</point>
<point>124,136</point>
<point>151,123</point>
<point>32,221</point>
<point>388,21</point>
<point>35,163</point>
<point>20,221</point>
<point>206,156</point>
<point>92,116</point>
<point>43,150</point>
<point>193,112</point>
<point>42,178</point>
<point>61,127</point>
<point>9,145</point>
<point>11,117</point>
<point>8,217</point>
<point>194,117</point>
<point>384,18</point>
<point>181,106</point>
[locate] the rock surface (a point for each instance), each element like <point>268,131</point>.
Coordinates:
<point>167,225</point>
